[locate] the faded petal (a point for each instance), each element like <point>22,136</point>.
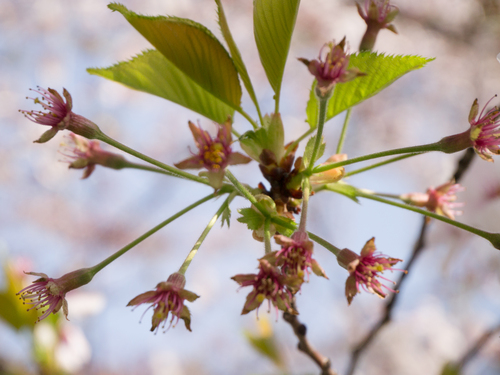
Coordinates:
<point>65,308</point>
<point>317,269</point>
<point>242,278</point>
<point>187,295</point>
<point>392,28</point>
<point>284,303</point>
<point>351,289</point>
<point>67,96</point>
<point>254,300</point>
<point>283,240</point>
<point>216,178</point>
<point>474,110</point>
<point>198,134</point>
<point>47,136</point>
<point>369,247</point>
<point>194,162</point>
<point>186,316</point>
<point>238,158</point>
<point>142,298</point>
<point>88,171</point>
<point>42,276</point>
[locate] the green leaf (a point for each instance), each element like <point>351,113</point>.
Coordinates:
<point>193,49</point>
<point>253,219</point>
<point>344,189</point>
<point>285,230</point>
<point>381,71</point>
<point>235,53</point>
<point>226,217</point>
<point>310,148</point>
<point>271,136</point>
<point>274,21</point>
<point>151,72</point>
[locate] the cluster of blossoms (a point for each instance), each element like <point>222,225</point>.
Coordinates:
<point>269,284</point>
<point>295,256</point>
<point>280,273</point>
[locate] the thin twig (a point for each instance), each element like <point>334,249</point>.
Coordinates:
<point>304,346</point>
<point>462,166</point>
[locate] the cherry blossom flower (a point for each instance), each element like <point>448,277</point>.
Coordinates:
<point>365,269</point>
<point>440,200</point>
<point>332,68</point>
<point>168,298</point>
<point>47,293</point>
<point>213,154</point>
<point>85,154</point>
<point>269,284</point>
<point>485,130</point>
<point>58,115</point>
<point>379,12</point>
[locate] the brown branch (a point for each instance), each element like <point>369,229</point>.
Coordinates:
<point>462,166</point>
<point>304,346</point>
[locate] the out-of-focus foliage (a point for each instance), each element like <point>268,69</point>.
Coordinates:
<point>12,309</point>
<point>264,341</point>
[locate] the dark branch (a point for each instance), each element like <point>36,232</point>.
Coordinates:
<point>304,346</point>
<point>462,166</point>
